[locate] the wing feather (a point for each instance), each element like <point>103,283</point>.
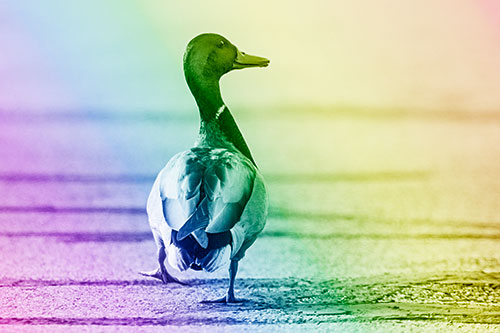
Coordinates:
<point>223,177</point>
<point>252,219</point>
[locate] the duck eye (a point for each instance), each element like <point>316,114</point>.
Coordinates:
<point>221,44</point>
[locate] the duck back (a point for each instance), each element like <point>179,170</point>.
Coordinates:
<point>207,187</point>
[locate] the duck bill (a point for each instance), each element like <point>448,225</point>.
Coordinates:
<point>244,60</point>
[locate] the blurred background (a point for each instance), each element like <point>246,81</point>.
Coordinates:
<point>376,127</point>
<point>432,55</point>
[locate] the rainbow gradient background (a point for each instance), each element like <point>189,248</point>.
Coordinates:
<point>126,55</point>
<point>376,126</point>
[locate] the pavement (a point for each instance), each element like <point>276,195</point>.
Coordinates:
<point>376,224</point>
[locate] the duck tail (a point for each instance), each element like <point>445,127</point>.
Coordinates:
<point>201,237</point>
<point>196,225</point>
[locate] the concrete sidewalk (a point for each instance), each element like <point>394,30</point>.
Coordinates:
<point>348,256</point>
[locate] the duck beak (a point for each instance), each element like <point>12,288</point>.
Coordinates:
<point>244,60</point>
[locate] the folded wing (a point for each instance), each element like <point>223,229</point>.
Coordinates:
<point>205,189</point>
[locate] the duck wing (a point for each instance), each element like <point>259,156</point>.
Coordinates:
<point>205,189</point>
<point>252,220</point>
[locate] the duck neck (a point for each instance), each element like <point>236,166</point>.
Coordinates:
<point>217,126</point>
<point>208,97</point>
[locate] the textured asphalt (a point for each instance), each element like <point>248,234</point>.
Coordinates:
<point>373,226</point>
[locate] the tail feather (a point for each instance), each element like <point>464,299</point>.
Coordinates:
<point>197,222</point>
<point>201,237</point>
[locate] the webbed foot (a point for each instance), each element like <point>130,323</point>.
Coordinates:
<point>223,300</point>
<point>162,275</point>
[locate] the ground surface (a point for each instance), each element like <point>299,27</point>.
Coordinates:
<point>377,223</point>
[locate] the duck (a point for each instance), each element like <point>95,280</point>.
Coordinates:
<point>209,203</point>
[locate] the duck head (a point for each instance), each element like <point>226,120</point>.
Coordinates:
<point>207,58</point>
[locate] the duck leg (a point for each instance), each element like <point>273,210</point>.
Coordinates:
<point>233,269</point>
<point>161,272</point>
<point>229,298</point>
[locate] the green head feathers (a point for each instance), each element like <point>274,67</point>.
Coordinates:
<point>209,56</point>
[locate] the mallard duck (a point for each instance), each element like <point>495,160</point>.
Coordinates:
<point>209,203</point>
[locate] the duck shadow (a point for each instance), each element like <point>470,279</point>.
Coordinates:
<point>262,294</point>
